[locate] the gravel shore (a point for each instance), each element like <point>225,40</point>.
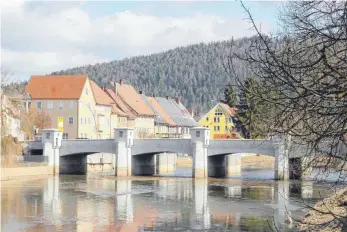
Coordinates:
<point>330,214</point>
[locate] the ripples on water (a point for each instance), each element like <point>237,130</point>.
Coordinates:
<point>250,202</point>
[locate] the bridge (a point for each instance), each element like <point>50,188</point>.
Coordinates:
<point>211,158</point>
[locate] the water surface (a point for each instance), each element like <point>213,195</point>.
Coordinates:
<point>95,202</point>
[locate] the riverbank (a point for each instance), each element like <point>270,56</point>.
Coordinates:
<point>332,214</point>
<point>254,162</point>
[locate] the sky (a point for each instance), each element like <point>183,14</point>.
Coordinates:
<point>38,38</point>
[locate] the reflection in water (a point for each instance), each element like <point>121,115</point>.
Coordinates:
<point>95,203</point>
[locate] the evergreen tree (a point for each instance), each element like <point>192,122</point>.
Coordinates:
<point>230,96</point>
<point>249,114</point>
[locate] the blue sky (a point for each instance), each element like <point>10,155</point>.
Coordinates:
<point>41,37</point>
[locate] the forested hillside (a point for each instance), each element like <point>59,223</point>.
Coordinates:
<point>194,72</point>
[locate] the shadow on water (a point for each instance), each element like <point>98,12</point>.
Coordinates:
<point>105,203</point>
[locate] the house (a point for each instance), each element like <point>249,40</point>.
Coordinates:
<point>10,118</point>
<point>179,114</point>
<point>220,121</point>
<point>162,120</point>
<point>136,106</point>
<point>76,105</point>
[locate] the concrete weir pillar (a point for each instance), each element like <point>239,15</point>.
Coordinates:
<point>166,163</point>
<point>51,143</point>
<point>124,139</point>
<point>281,146</point>
<point>233,165</point>
<point>200,140</point>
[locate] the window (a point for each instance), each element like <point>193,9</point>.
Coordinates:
<point>50,105</point>
<point>89,104</point>
<point>198,134</point>
<point>39,105</point>
<point>89,120</point>
<point>70,120</point>
<point>226,128</point>
<point>207,119</point>
<point>218,128</point>
<point>47,135</point>
<point>65,135</point>
<point>218,112</point>
<point>71,105</point>
<point>120,134</point>
<point>216,119</point>
<point>81,120</point>
<point>85,120</point>
<point>101,120</point>
<point>60,105</point>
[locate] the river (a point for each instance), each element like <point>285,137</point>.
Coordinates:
<point>102,202</point>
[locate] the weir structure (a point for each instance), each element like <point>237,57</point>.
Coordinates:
<point>211,158</point>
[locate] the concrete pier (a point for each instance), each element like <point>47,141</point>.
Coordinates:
<point>233,165</point>
<point>51,144</point>
<point>124,139</point>
<point>166,163</point>
<point>200,140</point>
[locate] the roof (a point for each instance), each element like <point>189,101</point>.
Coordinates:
<point>163,116</point>
<point>116,110</point>
<point>228,110</point>
<point>56,87</point>
<point>100,96</point>
<point>120,104</point>
<point>133,99</point>
<point>177,112</point>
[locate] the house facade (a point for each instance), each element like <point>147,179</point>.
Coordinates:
<point>70,103</point>
<point>220,121</point>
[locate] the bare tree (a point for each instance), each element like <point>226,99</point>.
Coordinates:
<point>302,83</point>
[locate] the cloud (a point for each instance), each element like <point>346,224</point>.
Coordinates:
<point>39,38</point>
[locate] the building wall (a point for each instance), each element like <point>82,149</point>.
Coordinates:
<point>144,126</point>
<point>60,108</point>
<point>208,122</point>
<point>161,130</point>
<point>103,125</point>
<point>131,123</point>
<point>87,120</point>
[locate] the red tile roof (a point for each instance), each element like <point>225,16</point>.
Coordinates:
<point>56,87</point>
<point>133,99</point>
<point>100,96</point>
<point>120,104</point>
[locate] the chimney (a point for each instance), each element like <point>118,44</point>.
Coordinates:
<point>154,95</point>
<point>178,100</point>
<point>120,81</point>
<point>168,98</point>
<point>115,86</point>
<point>103,88</point>
<point>191,111</point>
<point>140,92</point>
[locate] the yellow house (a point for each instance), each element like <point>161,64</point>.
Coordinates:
<point>219,121</point>
<point>70,102</point>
